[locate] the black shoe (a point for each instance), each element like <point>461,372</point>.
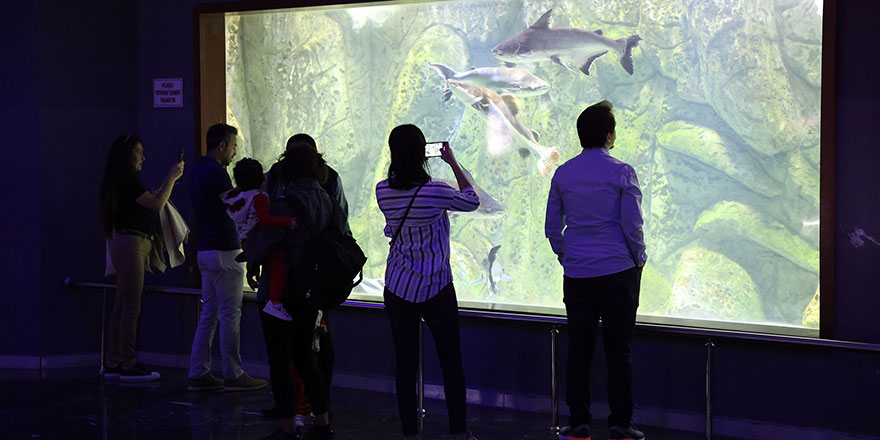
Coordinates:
<point>319,432</point>
<point>111,372</point>
<point>579,432</point>
<point>137,373</point>
<point>279,434</point>
<point>625,433</point>
<point>205,383</point>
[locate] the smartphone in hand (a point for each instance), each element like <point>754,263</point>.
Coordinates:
<point>180,155</point>
<point>432,149</point>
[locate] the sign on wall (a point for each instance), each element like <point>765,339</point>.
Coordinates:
<point>167,92</point>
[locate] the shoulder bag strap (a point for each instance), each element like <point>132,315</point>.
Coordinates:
<point>300,209</point>
<point>396,234</point>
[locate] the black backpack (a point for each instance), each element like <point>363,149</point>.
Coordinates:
<point>324,276</point>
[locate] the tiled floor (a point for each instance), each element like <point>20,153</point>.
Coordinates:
<point>75,404</point>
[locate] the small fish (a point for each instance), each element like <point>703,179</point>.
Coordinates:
<point>494,271</point>
<point>510,79</point>
<point>539,42</point>
<point>811,222</point>
<point>501,112</point>
<point>489,207</point>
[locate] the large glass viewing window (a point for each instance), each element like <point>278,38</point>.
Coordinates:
<point>720,116</point>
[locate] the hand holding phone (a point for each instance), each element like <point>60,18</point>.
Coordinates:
<point>432,149</point>
<point>180,156</point>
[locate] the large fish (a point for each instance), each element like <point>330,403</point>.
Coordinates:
<point>539,42</point>
<point>501,111</point>
<point>512,80</point>
<point>489,207</point>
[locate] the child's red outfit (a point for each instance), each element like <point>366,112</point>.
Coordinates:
<point>247,208</point>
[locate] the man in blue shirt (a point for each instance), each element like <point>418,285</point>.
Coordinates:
<point>222,276</point>
<point>594,224</point>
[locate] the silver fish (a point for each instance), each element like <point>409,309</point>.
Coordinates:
<point>501,112</point>
<point>510,79</point>
<point>539,42</point>
<point>493,273</point>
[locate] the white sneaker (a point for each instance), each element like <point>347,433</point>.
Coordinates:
<point>277,310</point>
<point>316,336</point>
<point>300,420</point>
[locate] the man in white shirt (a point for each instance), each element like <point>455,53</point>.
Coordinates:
<point>594,224</point>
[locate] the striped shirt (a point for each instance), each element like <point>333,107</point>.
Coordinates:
<point>418,263</point>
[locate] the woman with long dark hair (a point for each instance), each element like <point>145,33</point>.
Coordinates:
<point>129,217</point>
<point>418,277</point>
<point>302,171</point>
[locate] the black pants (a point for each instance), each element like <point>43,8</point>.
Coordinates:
<point>291,341</point>
<point>441,315</point>
<point>326,356</point>
<point>614,298</point>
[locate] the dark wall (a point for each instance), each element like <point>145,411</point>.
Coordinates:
<point>20,254</point>
<point>84,76</point>
<point>86,73</point>
<point>856,177</point>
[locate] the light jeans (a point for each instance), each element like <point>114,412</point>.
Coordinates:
<point>129,255</point>
<point>222,288</point>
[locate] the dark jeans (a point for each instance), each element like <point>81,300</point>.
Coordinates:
<point>441,315</point>
<point>291,342</point>
<point>614,298</point>
<point>326,357</point>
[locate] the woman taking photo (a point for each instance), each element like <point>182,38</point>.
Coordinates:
<point>418,277</point>
<point>129,217</point>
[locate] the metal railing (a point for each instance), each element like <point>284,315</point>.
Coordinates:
<point>555,322</point>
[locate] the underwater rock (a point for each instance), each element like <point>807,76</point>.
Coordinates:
<point>811,313</point>
<point>641,117</point>
<point>680,189</point>
<point>785,267</point>
<point>655,291</point>
<point>664,26</point>
<point>801,29</point>
<point>745,78</point>
<point>710,286</point>
<point>805,176</point>
<point>295,82</point>
<point>751,226</point>
<point>621,12</point>
<point>465,267</point>
<point>707,146</point>
<point>237,112</point>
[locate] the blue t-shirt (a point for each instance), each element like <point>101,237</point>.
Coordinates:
<point>207,181</point>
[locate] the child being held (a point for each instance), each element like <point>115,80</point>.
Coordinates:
<point>247,204</point>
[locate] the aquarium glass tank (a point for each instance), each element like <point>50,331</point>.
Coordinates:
<point>717,105</point>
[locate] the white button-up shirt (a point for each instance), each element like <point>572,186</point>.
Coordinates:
<point>594,215</point>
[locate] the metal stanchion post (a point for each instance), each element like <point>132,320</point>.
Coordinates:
<point>422,411</point>
<point>554,403</point>
<point>103,327</point>
<point>709,345</point>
